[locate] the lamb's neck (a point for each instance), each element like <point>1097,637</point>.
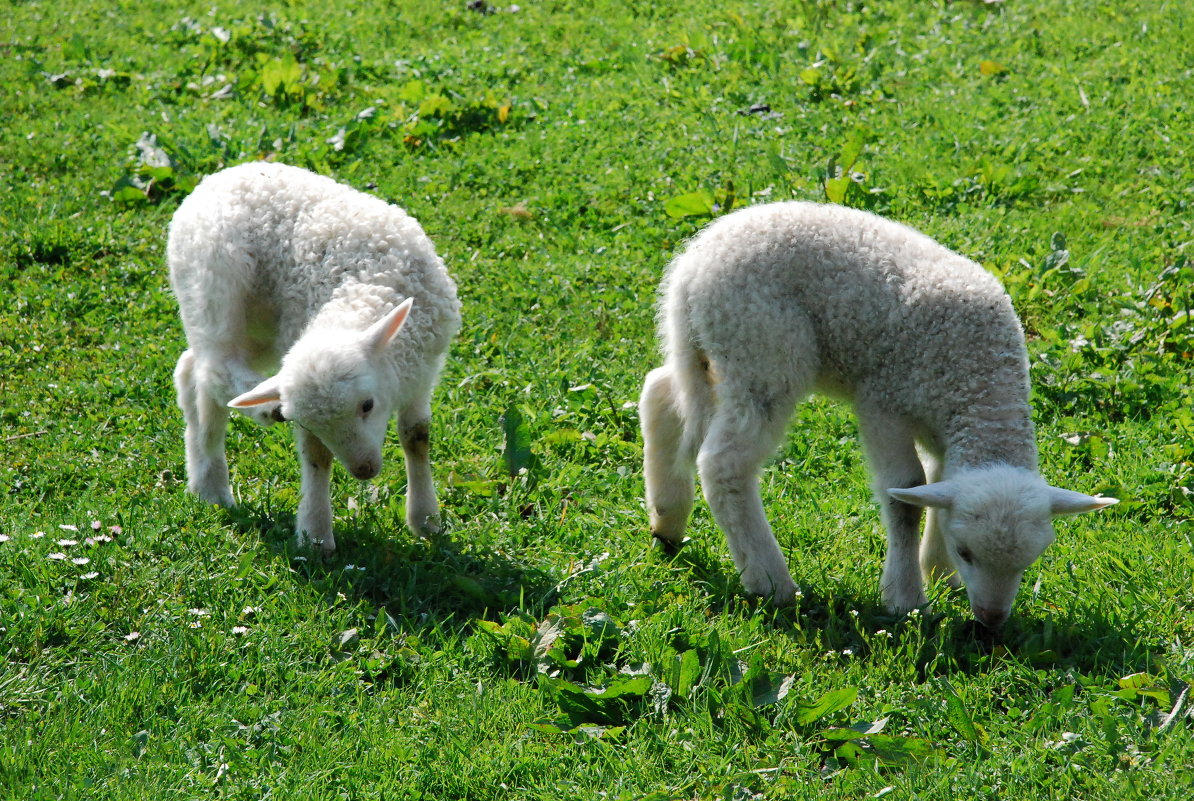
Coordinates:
<point>985,435</point>
<point>339,316</point>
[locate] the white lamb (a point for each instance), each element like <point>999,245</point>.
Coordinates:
<point>771,302</point>
<point>276,268</point>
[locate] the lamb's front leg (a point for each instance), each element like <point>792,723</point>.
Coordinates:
<point>313,523</point>
<point>422,509</point>
<point>891,451</point>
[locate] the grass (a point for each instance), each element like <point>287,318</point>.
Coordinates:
<point>542,648</point>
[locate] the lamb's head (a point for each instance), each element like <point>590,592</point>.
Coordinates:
<point>334,384</point>
<point>996,521</point>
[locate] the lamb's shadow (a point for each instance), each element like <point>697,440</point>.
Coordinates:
<point>940,642</point>
<point>419,582</point>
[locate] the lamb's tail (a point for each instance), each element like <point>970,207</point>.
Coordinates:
<point>691,373</point>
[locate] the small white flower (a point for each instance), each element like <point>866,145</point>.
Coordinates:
<point>37,535</point>
<point>248,611</point>
<point>57,557</point>
<point>67,543</point>
<point>4,538</point>
<point>81,560</point>
<point>847,652</point>
<point>240,629</point>
<point>96,525</point>
<point>196,624</point>
<point>68,527</point>
<point>298,559</point>
<point>199,612</point>
<point>90,575</point>
<point>853,613</point>
<point>132,636</point>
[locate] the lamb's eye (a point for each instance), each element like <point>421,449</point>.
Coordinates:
<point>966,556</point>
<point>367,406</point>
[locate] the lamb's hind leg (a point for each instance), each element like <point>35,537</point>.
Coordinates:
<point>891,452</point>
<point>668,466</point>
<point>741,436</point>
<point>206,425</point>
<point>414,431</point>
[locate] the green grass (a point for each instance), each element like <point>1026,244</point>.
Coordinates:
<point>558,155</point>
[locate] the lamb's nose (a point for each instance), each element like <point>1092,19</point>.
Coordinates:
<point>991,618</point>
<point>366,470</point>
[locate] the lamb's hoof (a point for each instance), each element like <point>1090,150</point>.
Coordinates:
<point>219,497</point>
<point>323,547</point>
<point>781,591</point>
<point>668,545</point>
<point>899,604</point>
<point>426,528</point>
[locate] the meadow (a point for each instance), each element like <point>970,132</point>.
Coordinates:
<point>542,647</point>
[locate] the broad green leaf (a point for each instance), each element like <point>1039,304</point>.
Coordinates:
<point>768,689</point>
<point>960,719</point>
<point>855,732</point>
<point>683,672</point>
<point>693,204</point>
<point>518,441</point>
<point>827,704</point>
<point>836,188</point>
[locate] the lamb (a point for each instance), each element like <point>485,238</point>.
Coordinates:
<point>772,302</point>
<point>278,269</point>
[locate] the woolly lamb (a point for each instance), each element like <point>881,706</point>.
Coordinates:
<point>276,268</point>
<point>771,302</point>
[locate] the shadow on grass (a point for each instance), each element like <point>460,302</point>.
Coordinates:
<point>418,580</point>
<point>941,642</point>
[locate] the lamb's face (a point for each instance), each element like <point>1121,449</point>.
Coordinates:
<point>992,535</point>
<point>337,398</point>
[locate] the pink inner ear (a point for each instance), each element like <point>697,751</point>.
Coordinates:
<point>251,398</point>
<point>243,402</point>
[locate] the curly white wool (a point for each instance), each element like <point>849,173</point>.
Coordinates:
<point>772,302</point>
<point>276,268</point>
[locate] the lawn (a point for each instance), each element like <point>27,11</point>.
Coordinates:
<point>541,647</point>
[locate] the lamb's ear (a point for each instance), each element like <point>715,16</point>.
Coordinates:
<point>1068,502</point>
<point>940,495</point>
<point>383,331</point>
<point>267,391</point>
